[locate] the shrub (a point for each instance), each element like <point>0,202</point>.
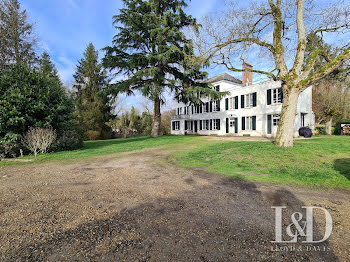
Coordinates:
<point>10,145</point>
<point>38,140</point>
<point>92,135</point>
<point>320,130</point>
<point>69,140</point>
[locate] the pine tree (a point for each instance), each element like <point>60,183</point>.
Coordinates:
<point>92,103</point>
<point>17,40</point>
<point>151,50</point>
<point>47,67</point>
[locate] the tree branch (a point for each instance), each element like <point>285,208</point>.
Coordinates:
<point>327,69</point>
<point>299,57</point>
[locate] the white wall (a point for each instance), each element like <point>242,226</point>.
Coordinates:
<point>260,111</point>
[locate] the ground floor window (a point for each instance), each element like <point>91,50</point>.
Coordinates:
<point>249,123</point>
<point>275,119</point>
<point>176,125</point>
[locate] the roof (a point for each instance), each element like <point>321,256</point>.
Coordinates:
<point>225,77</point>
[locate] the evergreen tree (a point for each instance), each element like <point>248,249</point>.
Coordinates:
<point>17,40</point>
<point>92,103</point>
<point>151,50</point>
<point>47,67</point>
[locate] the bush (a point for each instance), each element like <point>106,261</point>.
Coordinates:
<point>320,130</point>
<point>92,135</point>
<point>10,145</point>
<point>38,140</point>
<point>69,140</point>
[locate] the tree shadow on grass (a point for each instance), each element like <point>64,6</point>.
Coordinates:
<point>343,166</point>
<point>117,141</point>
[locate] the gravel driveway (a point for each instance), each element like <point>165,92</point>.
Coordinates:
<point>139,207</point>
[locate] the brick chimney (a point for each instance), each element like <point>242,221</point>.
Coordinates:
<point>247,75</point>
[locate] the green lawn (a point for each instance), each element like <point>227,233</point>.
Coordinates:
<point>107,147</point>
<point>322,161</point>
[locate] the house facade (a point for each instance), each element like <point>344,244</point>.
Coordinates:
<point>248,110</point>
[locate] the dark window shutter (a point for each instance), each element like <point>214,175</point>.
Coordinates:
<point>207,124</point>
<point>269,124</point>
<point>185,125</point>
<point>192,109</point>
<point>218,124</point>
<point>173,125</point>
<point>254,99</point>
<point>218,105</point>
<point>211,106</point>
<point>201,108</point>
<point>281,89</point>
<point>211,124</point>
<point>207,107</point>
<point>200,125</point>
<point>236,102</point>
<point>269,96</point>
<point>226,104</point>
<point>242,101</point>
<point>236,125</point>
<point>227,125</point>
<point>243,123</point>
<point>254,123</point>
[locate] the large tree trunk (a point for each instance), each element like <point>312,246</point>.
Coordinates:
<point>329,126</point>
<point>156,118</point>
<point>285,132</point>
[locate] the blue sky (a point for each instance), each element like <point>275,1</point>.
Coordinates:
<point>65,27</point>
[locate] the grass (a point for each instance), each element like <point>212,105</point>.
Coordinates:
<point>107,147</point>
<point>322,161</point>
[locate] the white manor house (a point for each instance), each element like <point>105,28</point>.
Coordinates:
<point>248,110</point>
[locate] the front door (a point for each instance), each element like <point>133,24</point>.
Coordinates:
<point>233,125</point>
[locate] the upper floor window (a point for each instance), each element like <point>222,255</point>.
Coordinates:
<point>248,101</point>
<point>216,106</point>
<point>217,88</point>
<point>274,96</point>
<point>277,95</point>
<point>179,110</point>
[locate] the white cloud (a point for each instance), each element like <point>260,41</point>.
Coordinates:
<point>66,69</point>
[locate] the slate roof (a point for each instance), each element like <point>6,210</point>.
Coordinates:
<point>225,77</point>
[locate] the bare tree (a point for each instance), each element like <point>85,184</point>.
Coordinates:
<point>276,32</point>
<point>38,140</point>
<point>329,101</point>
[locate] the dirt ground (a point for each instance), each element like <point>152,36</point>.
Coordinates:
<point>140,207</point>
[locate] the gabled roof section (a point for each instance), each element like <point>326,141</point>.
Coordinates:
<point>224,77</point>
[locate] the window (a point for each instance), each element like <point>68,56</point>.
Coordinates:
<point>277,95</point>
<point>204,125</point>
<point>216,124</point>
<point>275,120</point>
<point>249,101</point>
<point>231,103</point>
<point>232,123</point>
<point>185,110</point>
<point>176,125</point>
<point>216,106</point>
<point>249,123</point>
<point>217,88</point>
